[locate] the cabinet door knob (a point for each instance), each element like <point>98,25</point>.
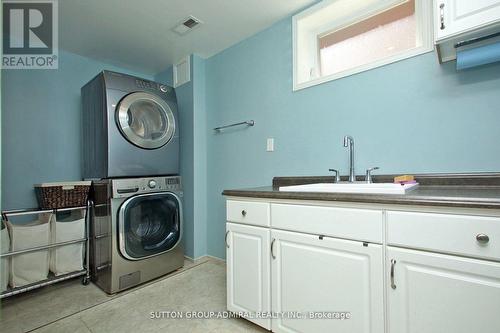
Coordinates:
<point>225,239</point>
<point>441,15</point>
<point>482,238</point>
<point>244,213</point>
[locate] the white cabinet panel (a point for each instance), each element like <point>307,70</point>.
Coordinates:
<point>350,223</point>
<point>437,293</point>
<point>248,271</point>
<point>461,16</point>
<point>455,234</point>
<point>326,275</point>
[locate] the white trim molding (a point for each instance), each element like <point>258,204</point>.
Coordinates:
<point>331,15</point>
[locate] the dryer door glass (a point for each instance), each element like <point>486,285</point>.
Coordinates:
<point>145,120</point>
<point>149,224</point>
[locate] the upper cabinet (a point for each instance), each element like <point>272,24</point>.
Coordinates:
<point>458,20</point>
<point>454,17</point>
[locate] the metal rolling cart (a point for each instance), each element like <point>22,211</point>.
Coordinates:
<point>52,279</point>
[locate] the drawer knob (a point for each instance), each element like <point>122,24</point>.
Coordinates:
<point>482,238</point>
<point>244,213</point>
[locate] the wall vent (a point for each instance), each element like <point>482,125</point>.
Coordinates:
<point>186,25</point>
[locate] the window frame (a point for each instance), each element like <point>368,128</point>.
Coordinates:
<point>423,17</point>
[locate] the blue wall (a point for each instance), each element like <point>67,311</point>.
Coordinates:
<point>200,174</point>
<point>192,118</point>
<point>411,116</point>
<point>185,105</point>
<point>41,120</point>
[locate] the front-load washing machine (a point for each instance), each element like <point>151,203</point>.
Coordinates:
<point>136,230</point>
<point>130,127</point>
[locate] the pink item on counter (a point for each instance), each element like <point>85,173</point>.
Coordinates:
<point>406,182</point>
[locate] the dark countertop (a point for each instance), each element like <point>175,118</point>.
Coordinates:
<point>468,191</point>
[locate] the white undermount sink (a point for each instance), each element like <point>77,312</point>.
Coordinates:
<point>372,188</point>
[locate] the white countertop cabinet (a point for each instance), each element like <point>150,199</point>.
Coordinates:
<point>248,271</point>
<point>390,268</point>
<point>324,274</point>
<point>437,293</point>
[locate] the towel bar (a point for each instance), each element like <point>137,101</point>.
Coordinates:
<point>248,123</point>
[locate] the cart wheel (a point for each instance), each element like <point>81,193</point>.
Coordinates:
<point>85,281</point>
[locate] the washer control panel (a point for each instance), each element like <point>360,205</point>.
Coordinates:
<point>128,187</point>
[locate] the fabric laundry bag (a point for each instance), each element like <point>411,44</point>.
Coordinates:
<point>33,266</point>
<point>67,227</point>
<point>4,262</point>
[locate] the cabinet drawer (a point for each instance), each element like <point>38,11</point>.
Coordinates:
<point>248,212</point>
<point>455,234</point>
<point>356,224</point>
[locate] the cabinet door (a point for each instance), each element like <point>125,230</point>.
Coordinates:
<point>248,272</point>
<point>458,16</point>
<point>434,293</point>
<point>326,275</point>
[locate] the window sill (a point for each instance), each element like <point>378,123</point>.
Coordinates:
<point>383,62</point>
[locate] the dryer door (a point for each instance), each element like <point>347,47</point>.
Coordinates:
<point>145,120</point>
<point>149,224</point>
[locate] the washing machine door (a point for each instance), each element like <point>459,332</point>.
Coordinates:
<point>145,120</point>
<point>149,224</point>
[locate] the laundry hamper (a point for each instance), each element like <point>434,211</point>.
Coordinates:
<point>61,195</point>
<point>67,226</point>
<point>34,266</point>
<point>4,262</point>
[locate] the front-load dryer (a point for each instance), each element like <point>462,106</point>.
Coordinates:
<point>135,230</point>
<point>130,127</point>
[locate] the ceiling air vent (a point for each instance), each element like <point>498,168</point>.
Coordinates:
<point>187,25</point>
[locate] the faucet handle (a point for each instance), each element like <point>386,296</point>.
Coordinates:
<point>337,174</point>
<point>368,177</point>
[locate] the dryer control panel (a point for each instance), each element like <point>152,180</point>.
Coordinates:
<point>143,84</point>
<point>128,187</point>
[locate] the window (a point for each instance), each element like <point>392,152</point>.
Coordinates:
<point>337,38</point>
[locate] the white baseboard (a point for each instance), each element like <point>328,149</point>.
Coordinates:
<point>215,258</point>
<point>203,258</point>
<point>188,258</point>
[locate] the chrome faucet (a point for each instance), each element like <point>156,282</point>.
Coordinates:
<point>349,142</point>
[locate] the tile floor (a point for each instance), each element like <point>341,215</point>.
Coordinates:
<point>71,307</point>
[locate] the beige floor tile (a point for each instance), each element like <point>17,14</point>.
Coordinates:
<point>45,305</point>
<point>199,286</point>
<point>8,310</point>
<point>71,324</point>
<point>11,326</point>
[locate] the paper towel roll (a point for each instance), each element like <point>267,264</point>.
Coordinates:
<point>478,56</point>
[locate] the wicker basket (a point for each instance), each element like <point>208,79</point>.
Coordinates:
<point>61,195</point>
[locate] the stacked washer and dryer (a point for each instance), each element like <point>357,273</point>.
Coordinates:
<point>131,152</point>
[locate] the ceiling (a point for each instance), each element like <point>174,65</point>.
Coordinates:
<point>136,34</point>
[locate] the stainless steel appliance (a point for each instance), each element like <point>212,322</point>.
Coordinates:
<point>130,127</point>
<point>136,229</point>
